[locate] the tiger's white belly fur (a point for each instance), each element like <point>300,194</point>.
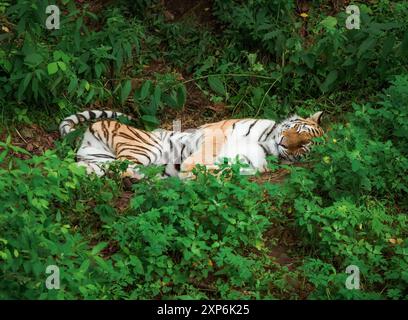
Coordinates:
<point>251,149</point>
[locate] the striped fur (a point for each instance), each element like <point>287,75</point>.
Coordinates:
<point>248,140</point>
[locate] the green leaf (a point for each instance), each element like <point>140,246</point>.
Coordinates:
<point>150,119</point>
<point>145,89</point>
<point>217,85</point>
<point>366,45</point>
<point>84,266</point>
<point>89,97</point>
<point>181,96</point>
<point>99,69</point>
<point>3,155</point>
<point>99,247</point>
<point>388,45</point>
<point>52,68</point>
<point>23,86</point>
<point>33,59</point>
<point>135,262</point>
<point>170,100</point>
<point>330,79</point>
<point>329,23</point>
<point>309,60</point>
<point>125,91</point>
<point>404,45</point>
<point>73,83</point>
<point>157,95</point>
<point>62,65</point>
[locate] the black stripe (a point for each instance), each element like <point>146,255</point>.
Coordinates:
<point>247,160</point>
<point>152,144</point>
<point>263,132</point>
<point>92,131</point>
<point>101,155</point>
<point>133,148</point>
<point>77,119</point>
<point>269,132</point>
<point>105,130</point>
<point>140,154</point>
<point>115,133</point>
<point>250,127</point>
<point>182,150</point>
<point>264,149</point>
<point>130,158</point>
<point>125,135</point>
<point>81,117</point>
<point>136,133</point>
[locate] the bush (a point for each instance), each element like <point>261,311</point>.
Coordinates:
<point>317,54</point>
<point>175,240</point>
<point>351,205</point>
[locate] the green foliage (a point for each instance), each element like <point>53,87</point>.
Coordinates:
<point>351,206</point>
<point>74,65</point>
<point>330,56</point>
<point>368,155</point>
<point>152,96</point>
<point>176,235</point>
<point>173,238</point>
<point>40,67</point>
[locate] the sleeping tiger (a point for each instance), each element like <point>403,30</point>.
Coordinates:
<point>248,140</point>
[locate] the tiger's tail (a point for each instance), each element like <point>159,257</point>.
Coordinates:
<point>68,124</point>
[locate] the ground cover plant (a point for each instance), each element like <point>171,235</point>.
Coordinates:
<point>291,233</point>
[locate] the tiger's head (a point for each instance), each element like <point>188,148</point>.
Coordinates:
<point>294,136</point>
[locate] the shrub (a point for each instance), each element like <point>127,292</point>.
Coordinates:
<point>351,205</point>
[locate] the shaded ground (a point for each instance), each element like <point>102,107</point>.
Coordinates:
<point>198,109</point>
<point>199,10</point>
<point>32,138</point>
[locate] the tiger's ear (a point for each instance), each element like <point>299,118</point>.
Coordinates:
<point>316,117</point>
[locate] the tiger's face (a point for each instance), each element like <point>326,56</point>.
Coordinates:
<point>295,136</point>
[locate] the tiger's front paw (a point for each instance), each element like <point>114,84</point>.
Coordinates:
<point>184,175</point>
<point>132,174</point>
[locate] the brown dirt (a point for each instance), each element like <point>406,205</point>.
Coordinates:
<point>32,138</point>
<point>197,111</point>
<point>196,10</point>
<point>280,241</point>
<point>123,201</point>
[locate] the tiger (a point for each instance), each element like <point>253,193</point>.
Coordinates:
<point>249,141</point>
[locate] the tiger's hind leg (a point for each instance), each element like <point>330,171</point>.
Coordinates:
<point>100,165</point>
<point>94,155</point>
<point>92,167</point>
<point>132,171</point>
<point>101,169</point>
